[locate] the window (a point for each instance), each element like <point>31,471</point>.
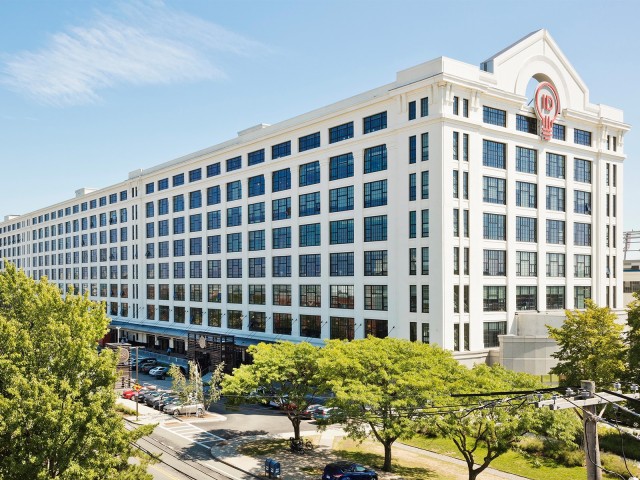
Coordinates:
<point>526,160</point>
<point>256,240</point>
<point>234,191</point>
<point>281,209</point>
<point>310,235</point>
<point>234,216</point>
<point>456,183</point>
<point>257,321</point>
<point>412,149</point>
<point>465,185</point>
<point>494,154</point>
<point>582,202</point>
<point>456,260</point>
<point>281,238</point>
<point>465,147</point>
<point>178,270</point>
<point>341,231</point>
<point>310,296</point>
<point>310,265</point>
<point>341,132</point>
<point>148,189</point>
<point>526,264</point>
<point>526,229</point>
<point>309,204</point>
<point>526,124</point>
<point>308,142</point>
<point>495,263</point>
<point>555,265</point>
<point>375,297</point>
<point>582,266</point>
<point>456,105</point>
<point>425,298</point>
<point>494,116</point>
<point>341,166</point>
<point>491,331</point>
<point>556,232</point>
<point>412,110</point>
<point>424,106</point>
<point>424,193</point>
<point>309,174</point>
<point>494,226</point>
<point>234,164</point>
<point>213,244</point>
<point>310,326</point>
<point>256,185</point>
<point>256,212</point>
<point>581,294</point>
<point>413,299</point>
<point>559,132</point>
<point>234,319</point>
<point>257,267</point>
<point>341,328</point>
<point>456,222</point>
<point>281,266</point>
<point>424,143</point>
<point>281,150</point>
<point>214,269</point>
<point>526,298</point>
<point>163,206</point>
<point>376,328</point>
<point>257,295</point>
<point>555,298</point>
<point>425,223</point>
<point>556,199</point>
<point>526,194</point>
<point>374,123</point>
<point>582,170</point>
<point>494,298</point>
<point>281,295</point>
<point>412,224</point>
<point>341,199</point>
<point>178,180</point>
<point>412,187</point>
<point>234,242</point>
<point>213,195</point>
<point>342,296</point>
<point>555,165</point>
<point>213,170</point>
<point>195,175</point>
<point>195,199</point>
<point>375,159</point>
<point>412,261</point>
<point>341,264</point>
<point>254,158</point>
<point>163,184</point>
<point>493,190</point>
<point>582,234</point>
<point>425,260</point>
<point>281,180</point>
<point>234,268</point>
<point>375,194</point>
<point>375,263</point>
<point>581,137</point>
<point>465,111</point>
<point>195,246</point>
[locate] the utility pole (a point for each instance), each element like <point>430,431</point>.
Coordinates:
<point>588,401</point>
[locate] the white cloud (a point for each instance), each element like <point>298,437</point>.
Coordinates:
<point>149,44</point>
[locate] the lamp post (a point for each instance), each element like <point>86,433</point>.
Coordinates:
<point>118,339</point>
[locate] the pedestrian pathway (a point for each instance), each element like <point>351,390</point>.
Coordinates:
<point>191,433</point>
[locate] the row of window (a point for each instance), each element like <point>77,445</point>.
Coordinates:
<point>82,207</point>
<point>495,264</point>
<point>494,228</point>
<point>495,297</point>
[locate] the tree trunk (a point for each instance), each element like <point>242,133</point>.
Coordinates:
<point>387,457</point>
<point>295,421</point>
<point>473,474</point>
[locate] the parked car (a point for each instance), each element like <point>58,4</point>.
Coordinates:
<point>128,394</point>
<point>145,361</point>
<point>261,395</point>
<point>326,414</point>
<point>152,397</point>
<point>348,471</point>
<point>179,408</point>
<point>164,399</point>
<point>159,372</point>
<point>147,367</point>
<point>308,412</point>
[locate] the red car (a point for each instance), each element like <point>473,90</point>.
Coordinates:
<point>129,393</point>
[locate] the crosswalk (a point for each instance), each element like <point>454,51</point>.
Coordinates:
<point>191,433</point>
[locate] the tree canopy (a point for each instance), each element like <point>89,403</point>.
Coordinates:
<point>284,371</point>
<point>381,385</point>
<point>590,346</point>
<point>632,338</point>
<point>57,399</point>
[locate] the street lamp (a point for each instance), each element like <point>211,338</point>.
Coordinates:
<point>118,339</point>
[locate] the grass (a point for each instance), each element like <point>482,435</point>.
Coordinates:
<point>124,409</point>
<point>263,448</point>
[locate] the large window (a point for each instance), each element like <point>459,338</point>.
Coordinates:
<point>581,137</point>
<point>581,294</point>
<point>281,180</point>
<point>376,328</point>
<point>582,234</point>
<point>556,199</point>
<point>555,265</point>
<point>234,164</point>
<point>281,209</point>
<point>282,323</point>
<point>491,331</point>
<point>281,238</point>
<point>341,231</point>
<point>555,165</point>
<point>526,264</point>
<point>341,199</point>
<point>582,202</point>
<point>213,195</point>
<point>257,295</point>
<point>341,132</point>
<point>494,263</point>
<point>424,144</point>
<point>582,266</point>
<point>424,185</point>
<point>256,212</point>
<point>281,150</point>
<point>526,160</point>
<point>257,321</point>
<point>310,265</point>
<point>234,216</point>
<point>281,266</point>
<point>494,298</point>
<point>494,116</point>
<point>342,296</point>
<point>282,295</point>
<point>555,298</point>
<point>494,190</point>
<point>412,149</point>
<point>257,267</point>
<point>311,326</point>
<point>375,297</point>
<point>556,232</point>
<point>375,194</point>
<point>234,242</point>
<point>526,124</point>
<point>341,264</point>
<point>375,159</point>
<point>308,142</point>
<point>526,194</point>
<point>526,229</point>
<point>256,185</point>
<point>309,204</point>
<point>310,235</point>
<point>234,293</point>
<point>234,191</point>
<point>526,298</point>
<point>341,328</point>
<point>309,174</point>
<point>341,166</point>
<point>494,226</point>
<point>559,132</point>
<point>494,154</point>
<point>425,223</point>
<point>582,170</point>
<point>374,123</point>
<point>234,268</point>
<point>310,296</point>
<point>256,157</point>
<point>375,263</point>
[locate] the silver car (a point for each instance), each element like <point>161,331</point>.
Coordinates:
<point>184,408</point>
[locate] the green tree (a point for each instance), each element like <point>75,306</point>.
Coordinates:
<point>287,372</point>
<point>382,385</point>
<point>57,398</point>
<point>194,388</point>
<point>490,427</point>
<point>632,338</point>
<point>591,346</point>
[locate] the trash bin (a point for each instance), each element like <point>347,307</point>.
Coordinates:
<point>267,467</point>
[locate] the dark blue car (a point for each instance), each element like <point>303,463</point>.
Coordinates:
<point>348,470</point>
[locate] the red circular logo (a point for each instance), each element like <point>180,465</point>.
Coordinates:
<point>547,108</point>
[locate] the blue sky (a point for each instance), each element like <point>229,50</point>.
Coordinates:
<point>91,90</point>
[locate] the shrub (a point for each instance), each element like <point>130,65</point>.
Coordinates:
<point>616,464</point>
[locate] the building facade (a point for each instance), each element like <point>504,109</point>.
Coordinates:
<point>431,209</point>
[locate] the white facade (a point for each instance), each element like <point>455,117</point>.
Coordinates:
<point>456,96</point>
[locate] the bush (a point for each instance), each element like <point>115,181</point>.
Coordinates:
<point>616,464</point>
<point>610,441</point>
<point>559,452</point>
<point>532,445</point>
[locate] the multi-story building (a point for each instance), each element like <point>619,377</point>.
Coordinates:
<point>443,207</point>
<point>631,265</point>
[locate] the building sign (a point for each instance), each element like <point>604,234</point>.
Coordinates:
<point>547,108</point>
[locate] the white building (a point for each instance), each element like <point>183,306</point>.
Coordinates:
<point>431,209</point>
<point>631,265</point>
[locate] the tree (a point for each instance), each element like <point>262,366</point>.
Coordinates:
<point>493,426</point>
<point>57,398</point>
<point>632,339</point>
<point>287,372</point>
<point>382,385</point>
<point>194,388</point>
<point>591,346</point>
